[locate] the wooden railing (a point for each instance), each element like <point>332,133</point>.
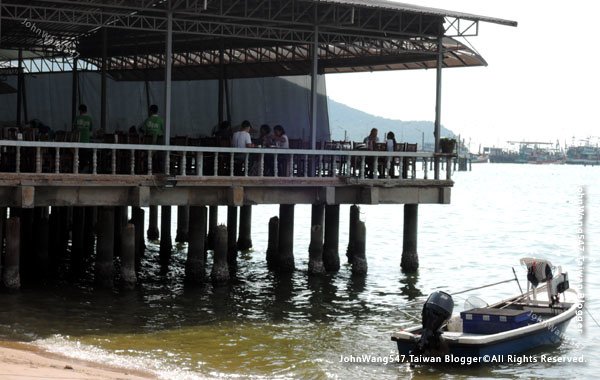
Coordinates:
<point>133,159</point>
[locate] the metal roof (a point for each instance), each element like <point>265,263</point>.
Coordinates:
<point>387,4</point>
<point>251,37</point>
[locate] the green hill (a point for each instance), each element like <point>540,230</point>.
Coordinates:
<point>356,124</point>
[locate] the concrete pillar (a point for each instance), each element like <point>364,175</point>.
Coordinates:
<point>220,269</point>
<point>166,244</point>
<point>77,243</point>
<point>89,231</point>
<point>331,257</point>
<point>183,224</point>
<point>137,217</point>
<point>285,258</point>
<point>244,242</point>
<point>354,219</point>
<point>63,234</point>
<point>42,230</point>
<point>128,277</point>
<point>10,275</point>
<point>315,250</point>
<point>213,218</point>
<point>194,265</point>
<point>153,233</point>
<point>317,216</point>
<point>120,222</point>
<point>410,259</point>
<point>273,245</point>
<point>232,213</point>
<point>27,263</point>
<point>2,224</point>
<point>105,246</point>
<point>359,259</point>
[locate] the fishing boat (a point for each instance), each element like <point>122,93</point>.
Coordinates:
<point>495,333</point>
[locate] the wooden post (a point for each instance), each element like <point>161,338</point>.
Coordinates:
<point>166,245</point>
<point>183,224</point>
<point>232,213</point>
<point>244,242</point>
<point>128,277</point>
<point>213,218</point>
<point>153,233</point>
<point>410,258</point>
<point>273,245</point>
<point>137,217</point>
<point>359,259</point>
<point>105,246</point>
<point>285,258</point>
<point>354,219</point>
<point>220,270</point>
<point>331,257</point>
<point>194,265</point>
<point>11,276</point>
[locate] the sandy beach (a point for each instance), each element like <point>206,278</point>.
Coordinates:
<point>20,361</point>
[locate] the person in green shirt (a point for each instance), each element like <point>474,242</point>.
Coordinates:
<point>83,124</point>
<point>154,125</point>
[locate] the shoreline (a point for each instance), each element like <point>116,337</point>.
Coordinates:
<point>20,360</point>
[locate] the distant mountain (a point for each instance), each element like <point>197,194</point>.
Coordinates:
<point>356,125</point>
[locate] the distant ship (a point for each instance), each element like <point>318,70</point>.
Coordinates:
<point>530,152</point>
<point>583,155</point>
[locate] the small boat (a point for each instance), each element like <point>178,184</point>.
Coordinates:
<point>494,333</point>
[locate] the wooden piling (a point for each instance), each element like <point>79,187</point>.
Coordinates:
<point>410,258</point>
<point>11,273</point>
<point>232,213</point>
<point>354,219</point>
<point>331,257</point>
<point>153,233</point>
<point>359,259</point>
<point>273,245</point>
<point>244,242</point>
<point>137,217</point>
<point>315,250</point>
<point>105,246</point>
<point>220,269</point>
<point>285,258</point>
<point>166,244</point>
<point>128,276</point>
<point>183,224</point>
<point>194,265</point>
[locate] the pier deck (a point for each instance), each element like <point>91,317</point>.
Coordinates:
<point>306,177</point>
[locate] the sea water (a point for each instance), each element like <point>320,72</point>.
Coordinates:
<point>263,325</point>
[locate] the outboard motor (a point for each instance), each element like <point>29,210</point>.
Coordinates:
<point>436,310</point>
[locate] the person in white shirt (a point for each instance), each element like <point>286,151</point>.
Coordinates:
<point>280,138</point>
<point>241,138</point>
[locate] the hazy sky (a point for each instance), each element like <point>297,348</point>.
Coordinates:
<point>541,82</point>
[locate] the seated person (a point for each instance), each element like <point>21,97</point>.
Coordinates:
<point>281,141</point>
<point>223,130</point>
<point>265,136</point>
